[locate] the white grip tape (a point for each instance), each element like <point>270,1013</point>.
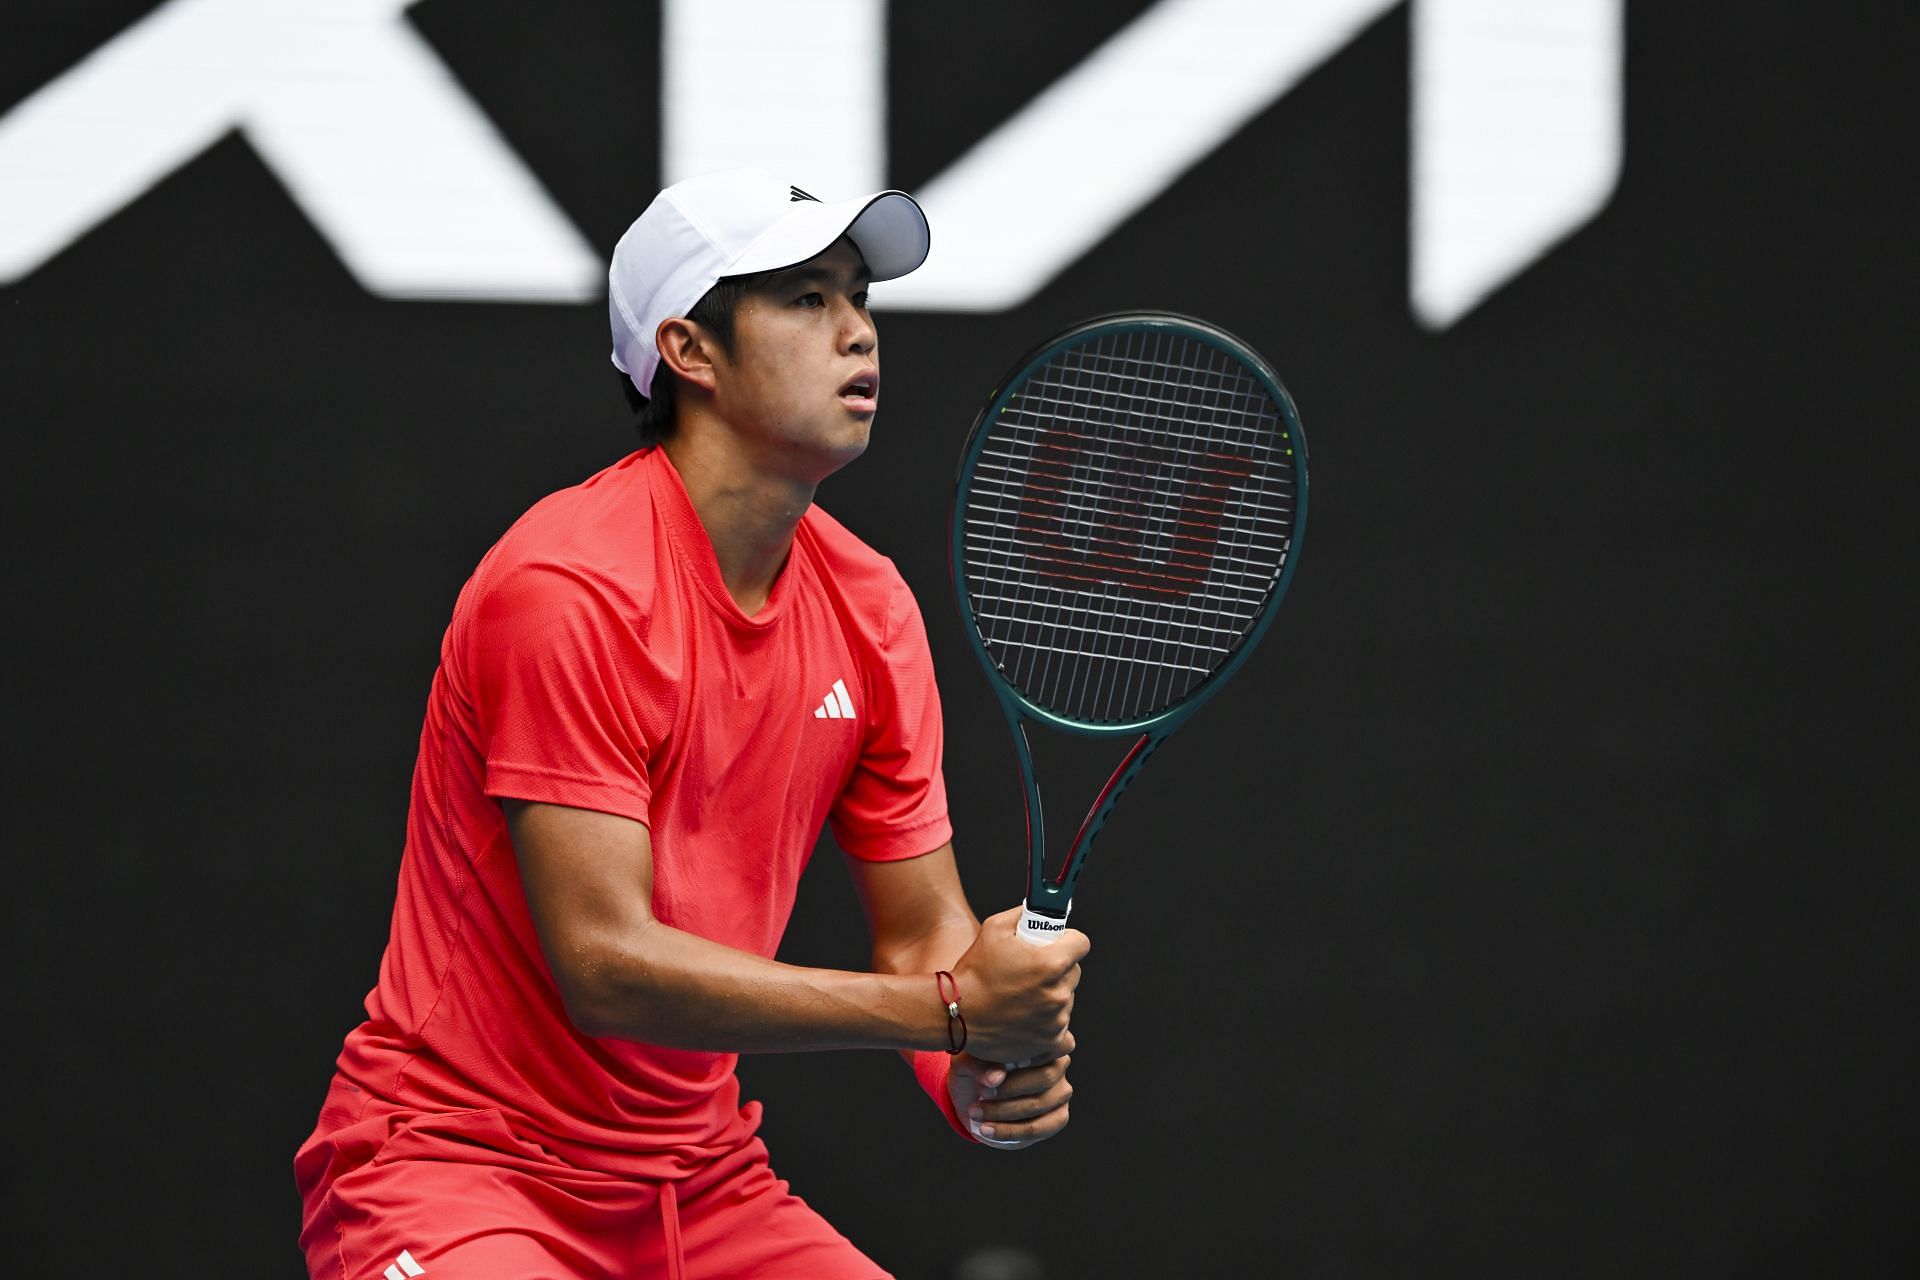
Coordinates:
<point>1039,930</point>
<point>1036,931</point>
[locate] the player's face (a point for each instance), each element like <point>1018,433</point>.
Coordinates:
<point>802,383</point>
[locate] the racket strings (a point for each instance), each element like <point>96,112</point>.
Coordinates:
<point>1128,515</point>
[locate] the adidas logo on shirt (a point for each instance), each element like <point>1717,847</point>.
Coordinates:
<point>404,1268</point>
<point>837,705</point>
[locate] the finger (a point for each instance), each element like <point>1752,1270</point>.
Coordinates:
<point>1061,1047</point>
<point>1021,1133</point>
<point>1031,1081</point>
<point>1062,964</point>
<point>1004,1109</point>
<point>1063,1044</point>
<point>988,1074</point>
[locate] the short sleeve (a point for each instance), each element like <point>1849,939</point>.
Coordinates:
<point>895,804</point>
<point>566,698</point>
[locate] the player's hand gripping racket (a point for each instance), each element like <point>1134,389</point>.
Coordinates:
<point>1128,516</point>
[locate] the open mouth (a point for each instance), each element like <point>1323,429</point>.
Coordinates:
<point>862,393</point>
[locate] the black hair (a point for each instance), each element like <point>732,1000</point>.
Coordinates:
<point>654,414</point>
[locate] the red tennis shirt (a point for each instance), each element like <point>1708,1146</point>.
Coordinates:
<point>596,660</point>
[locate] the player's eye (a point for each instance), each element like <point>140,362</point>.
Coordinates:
<point>862,299</point>
<point>810,300</point>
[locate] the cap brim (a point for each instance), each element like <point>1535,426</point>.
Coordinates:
<point>888,228</point>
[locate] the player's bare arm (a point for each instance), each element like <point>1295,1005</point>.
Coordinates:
<point>589,883</point>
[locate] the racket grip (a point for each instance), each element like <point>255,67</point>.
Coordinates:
<point>1038,930</point>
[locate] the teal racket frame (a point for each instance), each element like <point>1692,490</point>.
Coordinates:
<point>1052,897</point>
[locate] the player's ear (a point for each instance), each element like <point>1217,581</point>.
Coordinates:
<point>688,350</point>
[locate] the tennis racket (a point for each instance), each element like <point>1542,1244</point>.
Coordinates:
<point>1127,517</point>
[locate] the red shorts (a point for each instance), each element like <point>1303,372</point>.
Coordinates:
<point>448,1197</point>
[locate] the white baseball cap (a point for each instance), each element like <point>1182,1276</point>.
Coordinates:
<point>735,223</point>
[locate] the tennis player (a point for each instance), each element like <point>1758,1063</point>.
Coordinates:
<point>654,691</point>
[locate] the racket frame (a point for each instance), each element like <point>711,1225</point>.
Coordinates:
<point>1050,899</point>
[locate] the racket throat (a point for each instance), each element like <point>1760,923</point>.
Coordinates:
<point>1050,898</point>
<point>1044,896</point>
<point>1102,808</point>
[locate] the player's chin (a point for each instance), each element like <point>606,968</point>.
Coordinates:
<point>822,448</point>
<point>849,439</point>
<point>857,430</point>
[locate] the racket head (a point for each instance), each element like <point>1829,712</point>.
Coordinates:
<point>1127,515</point>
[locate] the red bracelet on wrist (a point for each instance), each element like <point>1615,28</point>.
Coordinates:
<point>949,990</point>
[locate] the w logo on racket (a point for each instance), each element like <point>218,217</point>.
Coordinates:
<point>1144,517</point>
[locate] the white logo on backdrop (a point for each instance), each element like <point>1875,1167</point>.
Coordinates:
<point>1515,136</point>
<point>374,139</point>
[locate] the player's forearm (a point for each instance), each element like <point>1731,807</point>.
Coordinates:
<point>672,988</point>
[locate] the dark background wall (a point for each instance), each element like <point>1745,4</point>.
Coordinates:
<point>1562,927</point>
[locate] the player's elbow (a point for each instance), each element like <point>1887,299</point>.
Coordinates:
<point>605,992</point>
<point>593,1011</point>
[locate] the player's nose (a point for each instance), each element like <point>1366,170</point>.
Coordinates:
<point>857,333</point>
